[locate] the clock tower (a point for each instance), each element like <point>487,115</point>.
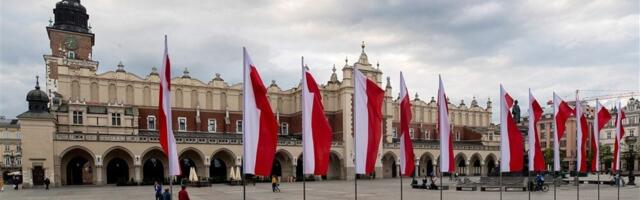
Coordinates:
<point>71,42</point>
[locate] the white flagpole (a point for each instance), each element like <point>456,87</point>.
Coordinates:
<point>304,85</point>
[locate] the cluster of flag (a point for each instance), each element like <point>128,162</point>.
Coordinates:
<point>260,127</point>
<point>512,147</point>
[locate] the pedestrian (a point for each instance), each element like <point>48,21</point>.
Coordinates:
<point>1,185</point>
<point>158,189</point>
<point>46,183</point>
<point>183,194</point>
<point>166,195</point>
<point>15,182</point>
<point>275,183</point>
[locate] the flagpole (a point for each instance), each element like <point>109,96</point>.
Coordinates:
<point>441,184</point>
<point>171,185</point>
<point>400,170</point>
<point>244,149</point>
<point>304,180</point>
<point>578,141</point>
<point>500,183</point>
<point>529,179</point>
<point>598,184</point>
<point>619,178</point>
<point>355,137</point>
<point>554,184</point>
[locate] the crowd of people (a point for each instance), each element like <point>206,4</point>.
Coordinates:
<point>166,195</point>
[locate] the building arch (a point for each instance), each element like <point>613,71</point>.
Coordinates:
<point>146,96</point>
<point>283,164</point>
<point>389,165</point>
<point>75,90</point>
<point>78,166</point>
<point>191,158</point>
<point>334,172</point>
<point>154,165</point>
<point>475,168</point>
<point>222,163</point>
<point>492,165</point>
<point>95,92</point>
<point>118,165</point>
<point>461,163</point>
<point>113,93</point>
<point>129,97</point>
<point>426,164</point>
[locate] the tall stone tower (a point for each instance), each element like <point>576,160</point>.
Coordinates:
<point>71,43</point>
<point>38,129</point>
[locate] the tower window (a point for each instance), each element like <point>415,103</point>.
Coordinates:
<point>71,55</point>
<point>182,124</point>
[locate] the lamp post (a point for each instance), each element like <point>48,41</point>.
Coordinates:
<point>631,140</point>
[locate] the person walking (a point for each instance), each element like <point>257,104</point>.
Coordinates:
<point>183,194</point>
<point>46,183</point>
<point>166,195</point>
<point>15,183</point>
<point>158,189</point>
<point>1,185</point>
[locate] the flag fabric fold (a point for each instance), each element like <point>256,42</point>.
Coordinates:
<point>619,135</point>
<point>260,128</point>
<point>367,110</point>
<point>316,132</point>
<point>446,143</point>
<point>511,144</point>
<point>536,158</point>
<point>167,139</point>
<point>407,156</point>
<point>561,113</point>
<point>600,118</point>
<point>582,131</point>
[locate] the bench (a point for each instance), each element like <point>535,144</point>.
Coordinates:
<point>466,188</point>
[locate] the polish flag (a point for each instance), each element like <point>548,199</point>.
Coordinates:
<point>316,132</point>
<point>368,122</point>
<point>260,127</point>
<point>167,140</point>
<point>407,164</point>
<point>561,113</point>
<point>511,146</point>
<point>600,119</point>
<point>581,138</point>
<point>446,145</point>
<point>536,158</point>
<point>619,135</point>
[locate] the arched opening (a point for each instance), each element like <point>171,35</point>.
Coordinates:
<point>461,164</point>
<point>476,167</point>
<point>389,168</point>
<point>189,159</point>
<point>119,163</point>
<point>492,169</point>
<point>426,165</point>
<point>276,168</point>
<point>78,167</point>
<point>299,168</point>
<point>117,171</point>
<point>153,167</point>
<point>221,166</point>
<point>335,167</point>
<point>153,171</point>
<point>283,165</point>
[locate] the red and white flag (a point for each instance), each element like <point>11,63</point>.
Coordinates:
<point>536,158</point>
<point>167,140</point>
<point>600,119</point>
<point>446,144</point>
<point>619,135</point>
<point>316,132</point>
<point>407,157</point>
<point>582,130</point>
<point>260,127</point>
<point>561,113</point>
<point>368,122</point>
<point>511,146</point>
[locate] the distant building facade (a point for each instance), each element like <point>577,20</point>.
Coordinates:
<point>102,128</point>
<point>10,147</point>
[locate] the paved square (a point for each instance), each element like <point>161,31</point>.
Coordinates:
<point>369,190</point>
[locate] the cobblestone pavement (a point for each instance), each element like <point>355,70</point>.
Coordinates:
<point>368,190</point>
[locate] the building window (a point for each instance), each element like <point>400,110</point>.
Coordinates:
<point>395,133</point>
<point>77,117</point>
<point>543,134</point>
<point>632,133</point>
<point>543,144</point>
<point>212,126</point>
<point>71,55</point>
<point>458,136</point>
<point>182,124</point>
<point>6,147</point>
<point>239,126</point>
<point>284,128</point>
<point>541,126</point>
<point>18,148</point>
<point>18,161</point>
<point>608,134</point>
<point>151,122</point>
<point>115,119</point>
<point>427,136</point>
<point>7,160</point>
<point>491,136</point>
<point>411,133</point>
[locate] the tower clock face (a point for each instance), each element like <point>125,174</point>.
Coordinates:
<point>71,43</point>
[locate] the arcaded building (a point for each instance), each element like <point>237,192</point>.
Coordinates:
<point>85,127</point>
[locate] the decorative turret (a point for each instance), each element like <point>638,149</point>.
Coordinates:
<point>70,15</point>
<point>154,71</point>
<point>388,82</point>
<point>488,103</point>
<point>334,76</point>
<point>38,99</point>
<point>120,67</point>
<point>474,102</point>
<point>364,59</point>
<point>185,73</point>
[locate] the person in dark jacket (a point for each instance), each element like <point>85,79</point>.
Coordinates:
<point>46,183</point>
<point>158,188</point>
<point>166,195</point>
<point>183,195</point>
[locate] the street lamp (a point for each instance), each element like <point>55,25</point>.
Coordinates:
<point>631,140</point>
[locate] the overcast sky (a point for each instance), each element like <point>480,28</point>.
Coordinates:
<point>548,46</point>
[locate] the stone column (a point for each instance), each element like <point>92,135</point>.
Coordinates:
<point>469,167</point>
<point>483,168</point>
<point>98,173</point>
<point>137,169</point>
<point>207,165</point>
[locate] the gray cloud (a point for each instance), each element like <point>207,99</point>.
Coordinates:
<point>476,45</point>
